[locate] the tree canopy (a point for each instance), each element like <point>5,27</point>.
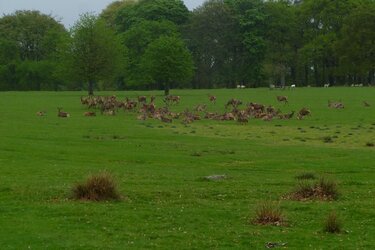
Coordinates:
<point>227,43</point>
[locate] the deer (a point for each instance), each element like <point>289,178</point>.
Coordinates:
<point>142,99</point>
<point>366,104</point>
<point>62,113</point>
<point>302,113</point>
<point>40,113</point>
<point>212,99</point>
<point>282,99</point>
<point>89,113</point>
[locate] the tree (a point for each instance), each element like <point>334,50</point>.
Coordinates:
<point>29,42</point>
<point>137,39</point>
<point>94,52</point>
<point>152,10</point>
<point>356,44</point>
<point>212,35</point>
<point>168,62</point>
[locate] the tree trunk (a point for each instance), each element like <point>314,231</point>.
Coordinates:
<point>91,87</point>
<point>166,89</point>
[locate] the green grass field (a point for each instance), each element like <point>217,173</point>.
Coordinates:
<point>159,168</point>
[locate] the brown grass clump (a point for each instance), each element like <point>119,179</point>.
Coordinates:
<point>332,224</point>
<point>323,189</point>
<point>269,213</point>
<point>98,187</point>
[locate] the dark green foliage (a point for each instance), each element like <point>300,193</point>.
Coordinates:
<point>332,223</point>
<point>94,53</point>
<point>168,62</point>
<point>97,187</point>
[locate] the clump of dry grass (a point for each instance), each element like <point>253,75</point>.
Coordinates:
<point>269,213</point>
<point>98,187</point>
<point>332,223</point>
<point>322,189</point>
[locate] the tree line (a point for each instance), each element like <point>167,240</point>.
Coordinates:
<point>160,44</point>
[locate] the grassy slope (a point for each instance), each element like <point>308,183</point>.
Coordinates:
<point>158,170</point>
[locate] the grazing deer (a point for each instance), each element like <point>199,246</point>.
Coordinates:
<point>282,99</point>
<point>62,113</point>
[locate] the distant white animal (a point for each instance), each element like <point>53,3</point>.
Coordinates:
<point>326,85</point>
<point>241,86</point>
<point>292,86</point>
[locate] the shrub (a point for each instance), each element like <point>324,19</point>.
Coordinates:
<point>269,213</point>
<point>306,176</point>
<point>97,187</point>
<point>332,224</point>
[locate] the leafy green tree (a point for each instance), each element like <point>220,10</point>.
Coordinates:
<point>94,53</point>
<point>137,38</point>
<point>212,36</point>
<point>356,45</point>
<point>168,62</point>
<point>250,15</point>
<point>30,40</point>
<point>32,32</point>
<point>153,10</point>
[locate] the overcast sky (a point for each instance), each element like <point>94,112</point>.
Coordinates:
<point>66,10</point>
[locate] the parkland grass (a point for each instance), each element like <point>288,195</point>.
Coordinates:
<point>159,168</point>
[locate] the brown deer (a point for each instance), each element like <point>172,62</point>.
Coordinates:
<point>212,99</point>
<point>302,113</point>
<point>142,98</point>
<point>62,113</point>
<point>282,99</point>
<point>89,113</point>
<point>40,113</point>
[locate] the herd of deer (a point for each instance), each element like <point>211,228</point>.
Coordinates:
<point>110,105</point>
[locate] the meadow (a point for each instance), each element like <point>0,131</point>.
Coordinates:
<point>159,168</point>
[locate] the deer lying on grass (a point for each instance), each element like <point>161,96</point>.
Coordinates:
<point>282,99</point>
<point>335,105</point>
<point>40,113</point>
<point>302,113</point>
<point>89,113</point>
<point>142,99</point>
<point>62,113</point>
<point>366,104</point>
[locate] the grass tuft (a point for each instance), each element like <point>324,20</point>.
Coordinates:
<point>269,213</point>
<point>322,189</point>
<point>332,224</point>
<point>98,187</point>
